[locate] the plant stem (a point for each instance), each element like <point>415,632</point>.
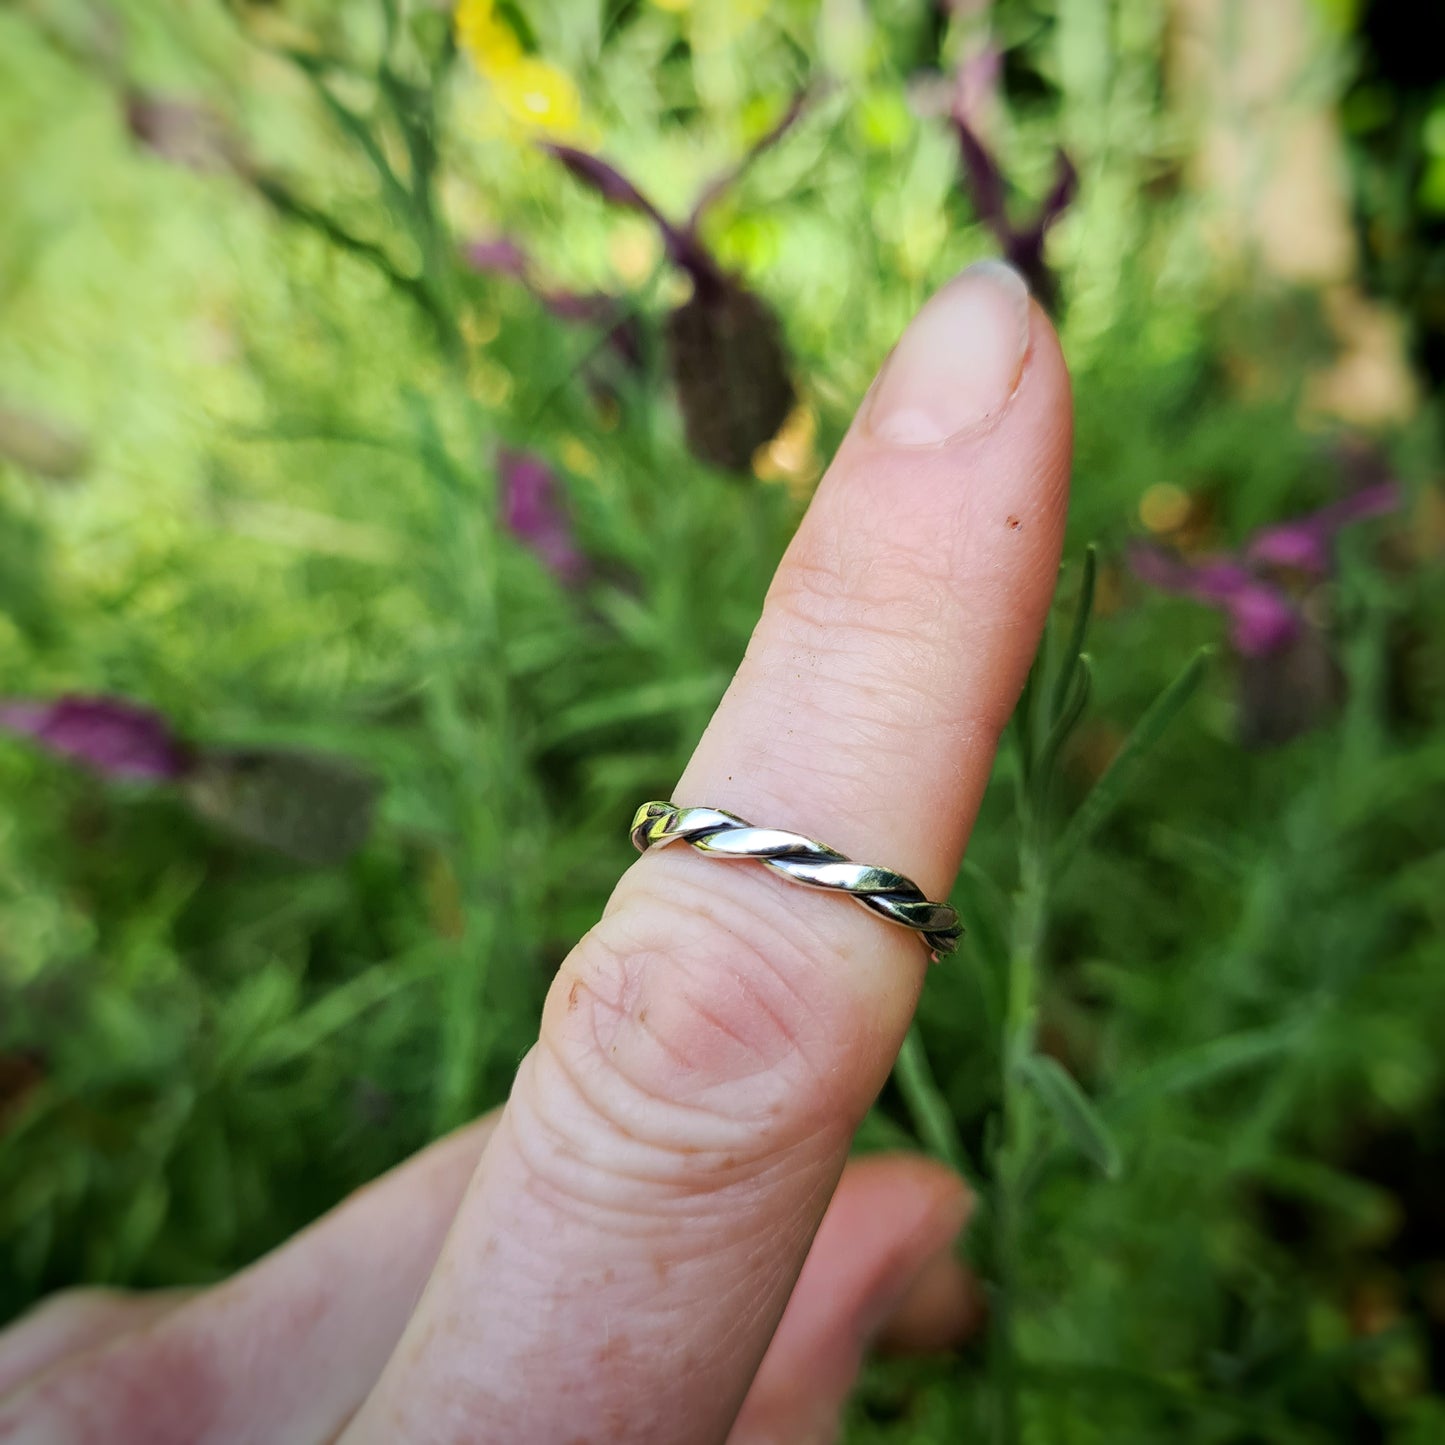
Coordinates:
<point>1010,1158</point>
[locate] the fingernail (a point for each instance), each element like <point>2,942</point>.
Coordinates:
<point>959,362</point>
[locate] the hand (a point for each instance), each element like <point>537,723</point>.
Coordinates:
<point>616,1255</point>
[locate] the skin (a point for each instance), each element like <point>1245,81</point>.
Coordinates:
<point>660,1238</point>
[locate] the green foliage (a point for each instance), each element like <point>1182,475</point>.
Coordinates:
<point>1189,1052</point>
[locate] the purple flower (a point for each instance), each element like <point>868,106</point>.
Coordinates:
<point>532,513</point>
<point>684,244</point>
<point>1022,246</point>
<point>497,256</point>
<point>109,735</point>
<point>313,807</point>
<point>725,345</point>
<point>976,87</point>
<point>1306,544</point>
<point>1289,678</point>
<point>1263,617</point>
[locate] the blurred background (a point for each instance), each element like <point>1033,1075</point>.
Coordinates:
<point>401,411</point>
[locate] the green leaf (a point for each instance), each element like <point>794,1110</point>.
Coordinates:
<point>1206,1063</point>
<point>1073,654</point>
<point>1371,1210</point>
<point>301,1035</point>
<point>1108,792</point>
<point>932,1117</point>
<point>1066,719</point>
<point>1073,1109</point>
<point>1023,725</point>
<point>646,701</point>
<point>138,1225</point>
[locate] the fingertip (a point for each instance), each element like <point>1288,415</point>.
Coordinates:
<point>882,1273</point>
<point>957,365</point>
<point>901,1215</point>
<point>980,358</point>
<point>944,1308</point>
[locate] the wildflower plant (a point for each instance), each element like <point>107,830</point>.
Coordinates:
<point>725,346</point>
<point>315,809</point>
<point>1290,679</point>
<point>360,452</point>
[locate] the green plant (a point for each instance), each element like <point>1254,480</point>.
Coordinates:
<point>1187,1054</point>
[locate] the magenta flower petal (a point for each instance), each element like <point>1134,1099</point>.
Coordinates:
<point>722,330</point>
<point>984,181</point>
<point>605,179</point>
<point>976,86</point>
<point>1023,247</point>
<point>25,718</point>
<point>1062,195</point>
<point>1261,619</point>
<point>1212,580</point>
<point>1305,544</point>
<point>1217,579</point>
<point>497,256</point>
<point>108,735</point>
<point>532,513</point>
<point>684,246</point>
<point>581,306</point>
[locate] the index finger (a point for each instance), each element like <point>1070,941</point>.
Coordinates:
<point>707,1050</point>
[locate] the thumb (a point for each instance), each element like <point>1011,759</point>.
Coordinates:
<point>882,1266</point>
<point>620,1264</point>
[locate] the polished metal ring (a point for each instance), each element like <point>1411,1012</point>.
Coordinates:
<point>801,860</point>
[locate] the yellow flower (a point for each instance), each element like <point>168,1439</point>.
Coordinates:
<point>576,457</point>
<point>538,95</point>
<point>791,456</point>
<point>487,41</point>
<point>531,93</point>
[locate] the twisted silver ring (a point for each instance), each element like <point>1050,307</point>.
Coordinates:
<point>801,860</point>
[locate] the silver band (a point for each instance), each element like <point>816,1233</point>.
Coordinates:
<point>801,860</point>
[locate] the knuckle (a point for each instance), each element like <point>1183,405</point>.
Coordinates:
<point>158,1388</point>
<point>684,1030</point>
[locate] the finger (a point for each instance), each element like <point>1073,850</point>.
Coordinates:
<point>286,1350</point>
<point>71,1323</point>
<point>707,1050</point>
<point>883,1259</point>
